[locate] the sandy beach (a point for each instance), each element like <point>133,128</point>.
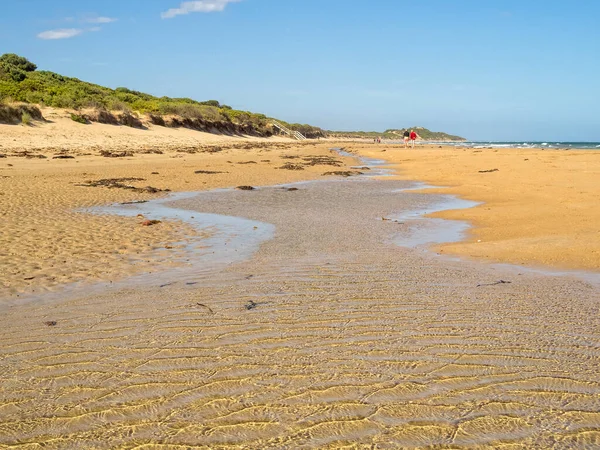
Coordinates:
<point>330,335</point>
<point>213,234</point>
<point>45,185</point>
<point>538,206</point>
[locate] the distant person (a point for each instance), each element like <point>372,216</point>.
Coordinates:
<point>413,137</point>
<point>406,138</point>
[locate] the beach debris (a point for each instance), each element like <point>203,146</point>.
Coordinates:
<point>154,173</point>
<point>319,160</point>
<point>489,171</point>
<point>166,284</point>
<point>247,162</point>
<point>2,155</point>
<point>251,305</point>
<point>495,283</point>
<point>208,172</point>
<point>291,189</point>
<point>206,307</point>
<point>245,188</point>
<point>109,154</point>
<point>290,166</point>
<point>51,323</point>
<point>134,202</point>
<point>265,160</point>
<point>342,173</point>
<point>28,278</point>
<point>249,276</point>
<point>63,157</point>
<point>119,183</point>
<point>154,151</point>
<point>215,149</point>
<point>289,157</point>
<point>149,223</point>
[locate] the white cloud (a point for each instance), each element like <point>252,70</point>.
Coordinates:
<point>66,33</point>
<point>62,33</point>
<point>100,19</point>
<point>204,6</point>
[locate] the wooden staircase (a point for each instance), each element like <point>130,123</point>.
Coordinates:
<point>291,133</point>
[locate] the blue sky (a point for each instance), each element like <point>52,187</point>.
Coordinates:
<point>495,69</point>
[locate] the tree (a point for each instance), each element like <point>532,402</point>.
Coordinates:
<point>18,61</point>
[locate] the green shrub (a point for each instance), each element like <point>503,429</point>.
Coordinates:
<point>9,72</point>
<point>18,61</point>
<point>26,118</point>
<point>118,105</point>
<point>79,119</point>
<point>21,82</point>
<point>214,103</point>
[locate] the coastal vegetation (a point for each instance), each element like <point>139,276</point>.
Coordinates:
<point>22,87</point>
<point>19,113</point>
<point>20,81</point>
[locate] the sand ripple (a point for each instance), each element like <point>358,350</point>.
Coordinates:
<point>381,348</point>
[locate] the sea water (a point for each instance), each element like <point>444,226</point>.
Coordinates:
<point>522,144</point>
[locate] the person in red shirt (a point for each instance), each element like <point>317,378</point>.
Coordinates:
<point>413,138</point>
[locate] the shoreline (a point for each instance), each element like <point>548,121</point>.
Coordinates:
<point>47,167</point>
<point>53,242</point>
<point>533,236</point>
<point>327,337</point>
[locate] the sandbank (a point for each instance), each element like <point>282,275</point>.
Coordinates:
<point>539,207</point>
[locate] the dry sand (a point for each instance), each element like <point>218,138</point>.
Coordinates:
<point>62,133</point>
<point>48,242</point>
<point>540,207</point>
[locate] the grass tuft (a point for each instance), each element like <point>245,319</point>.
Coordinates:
<point>26,118</point>
<point>79,119</point>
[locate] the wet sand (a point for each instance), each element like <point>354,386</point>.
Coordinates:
<point>329,336</point>
<point>50,239</point>
<point>539,207</point>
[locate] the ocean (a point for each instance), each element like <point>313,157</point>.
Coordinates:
<point>531,144</point>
